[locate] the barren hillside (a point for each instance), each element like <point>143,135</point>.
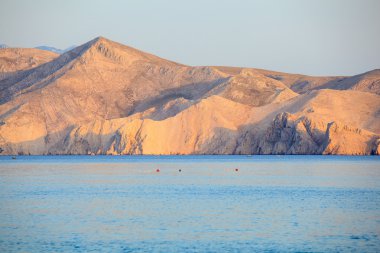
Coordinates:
<point>106,98</point>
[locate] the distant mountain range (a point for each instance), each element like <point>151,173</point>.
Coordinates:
<point>107,98</point>
<point>46,48</point>
<point>55,50</point>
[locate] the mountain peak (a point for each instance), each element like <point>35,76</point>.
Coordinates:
<point>117,52</point>
<point>96,42</point>
<point>111,50</point>
<point>100,39</point>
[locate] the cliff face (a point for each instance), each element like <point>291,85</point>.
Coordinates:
<point>107,98</point>
<point>301,135</point>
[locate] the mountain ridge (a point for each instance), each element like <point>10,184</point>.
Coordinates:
<point>103,97</point>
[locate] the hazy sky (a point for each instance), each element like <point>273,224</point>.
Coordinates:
<point>324,37</point>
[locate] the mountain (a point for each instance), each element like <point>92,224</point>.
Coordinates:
<point>107,98</point>
<point>55,50</point>
<point>16,59</point>
<point>3,46</point>
<point>368,81</point>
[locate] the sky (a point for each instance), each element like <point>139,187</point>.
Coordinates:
<point>323,37</point>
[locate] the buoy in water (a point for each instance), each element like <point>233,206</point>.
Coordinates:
<point>236,169</point>
<point>179,170</point>
<point>157,170</point>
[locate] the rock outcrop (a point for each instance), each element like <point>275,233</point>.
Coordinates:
<point>289,134</point>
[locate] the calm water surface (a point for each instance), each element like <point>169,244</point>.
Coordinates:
<point>121,204</point>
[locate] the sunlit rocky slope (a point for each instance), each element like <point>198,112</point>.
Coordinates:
<point>106,98</point>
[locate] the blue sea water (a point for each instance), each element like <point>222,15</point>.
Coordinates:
<point>193,204</point>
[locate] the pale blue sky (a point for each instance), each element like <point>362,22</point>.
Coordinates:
<point>324,37</point>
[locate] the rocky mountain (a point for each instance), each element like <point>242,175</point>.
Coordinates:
<point>16,59</point>
<point>107,98</point>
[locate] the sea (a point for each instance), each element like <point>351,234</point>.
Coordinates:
<point>190,203</point>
